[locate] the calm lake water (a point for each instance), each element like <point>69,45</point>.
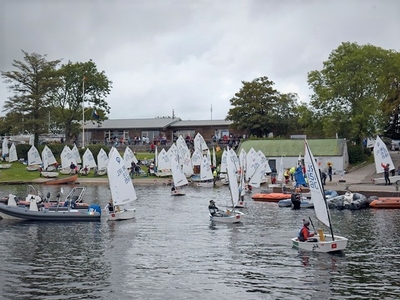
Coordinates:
<point>172,251</point>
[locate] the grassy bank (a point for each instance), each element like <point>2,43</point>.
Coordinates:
<point>18,171</point>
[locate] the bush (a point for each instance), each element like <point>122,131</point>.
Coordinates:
<point>356,154</point>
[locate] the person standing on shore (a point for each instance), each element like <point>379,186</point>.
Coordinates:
<point>386,173</point>
<point>330,171</point>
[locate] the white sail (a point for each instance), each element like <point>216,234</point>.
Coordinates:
<point>48,157</point>
<point>315,185</point>
<point>4,150</point>
<point>224,159</point>
<point>121,186</point>
<point>252,163</point>
<point>233,156</point>
<point>129,157</point>
<point>34,157</point>
<point>197,158</point>
<point>381,156</point>
<point>88,159</point>
<point>182,149</point>
<point>258,176</point>
<point>264,159</point>
<point>200,143</point>
<point>214,158</point>
<point>280,171</point>
<point>102,159</point>
<point>163,161</point>
<point>205,169</point>
<point>242,160</point>
<point>13,156</point>
<point>67,157</point>
<point>75,151</point>
<point>178,176</point>
<point>231,172</point>
<point>187,166</point>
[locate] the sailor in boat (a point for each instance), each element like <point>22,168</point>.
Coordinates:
<point>305,234</point>
<point>110,206</point>
<point>213,209</point>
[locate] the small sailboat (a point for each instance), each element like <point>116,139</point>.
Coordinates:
<point>230,216</point>
<point>122,190</point>
<point>88,162</point>
<point>48,161</point>
<point>178,177</point>
<point>67,157</point>
<point>206,176</point>
<point>321,242</point>
<point>34,160</point>
<point>102,163</point>
<point>382,157</point>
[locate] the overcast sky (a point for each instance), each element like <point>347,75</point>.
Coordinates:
<point>187,56</point>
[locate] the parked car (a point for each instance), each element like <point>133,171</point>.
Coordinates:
<point>395,145</point>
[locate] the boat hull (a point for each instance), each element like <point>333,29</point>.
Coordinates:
<point>177,193</point>
<point>227,217</point>
<point>126,214</point>
<point>49,174</point>
<point>391,202</point>
<point>339,244</point>
<point>270,197</point>
<point>16,212</point>
<point>65,180</point>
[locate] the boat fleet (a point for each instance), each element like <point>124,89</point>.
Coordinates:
<point>242,173</point>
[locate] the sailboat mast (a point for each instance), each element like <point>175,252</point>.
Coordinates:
<point>320,187</point>
<point>326,204</point>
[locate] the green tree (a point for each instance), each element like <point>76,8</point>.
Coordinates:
<point>350,90</point>
<point>260,109</point>
<point>82,86</point>
<point>32,83</point>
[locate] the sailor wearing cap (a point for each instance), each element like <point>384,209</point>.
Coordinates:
<point>212,208</point>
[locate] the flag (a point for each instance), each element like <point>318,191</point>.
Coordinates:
<point>95,114</point>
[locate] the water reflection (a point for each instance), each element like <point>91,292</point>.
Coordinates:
<point>172,251</point>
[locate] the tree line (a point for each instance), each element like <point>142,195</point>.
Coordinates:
<point>355,95</point>
<point>48,96</point>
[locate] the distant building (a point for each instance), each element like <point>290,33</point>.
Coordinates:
<point>157,130</point>
<point>325,151</point>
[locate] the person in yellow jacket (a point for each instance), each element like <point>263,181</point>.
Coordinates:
<point>286,175</point>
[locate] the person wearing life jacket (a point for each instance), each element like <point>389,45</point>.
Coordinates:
<point>212,208</point>
<point>286,174</point>
<point>304,233</point>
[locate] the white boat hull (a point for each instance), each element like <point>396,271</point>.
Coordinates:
<point>49,174</point>
<point>227,217</point>
<point>339,244</point>
<point>205,184</point>
<point>177,193</point>
<point>125,214</point>
<point>381,180</point>
<point>5,166</point>
<point>33,168</point>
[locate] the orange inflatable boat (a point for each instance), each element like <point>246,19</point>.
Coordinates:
<point>271,197</point>
<point>386,202</point>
